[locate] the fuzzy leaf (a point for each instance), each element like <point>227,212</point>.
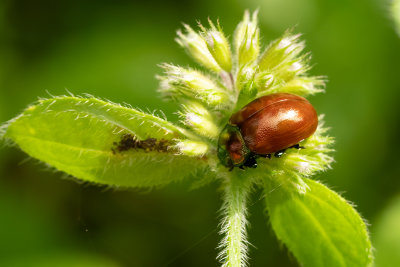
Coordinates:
<point>82,137</point>
<point>319,227</point>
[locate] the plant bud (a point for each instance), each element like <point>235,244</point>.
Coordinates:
<point>246,39</point>
<point>199,119</point>
<point>245,81</point>
<point>218,46</point>
<point>304,86</point>
<point>283,55</point>
<point>192,148</point>
<point>190,84</point>
<point>196,47</point>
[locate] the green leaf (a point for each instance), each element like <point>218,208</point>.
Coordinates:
<point>80,136</point>
<point>319,227</point>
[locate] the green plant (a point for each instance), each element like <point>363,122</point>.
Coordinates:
<point>106,143</point>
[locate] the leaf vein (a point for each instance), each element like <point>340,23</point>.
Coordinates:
<point>322,231</point>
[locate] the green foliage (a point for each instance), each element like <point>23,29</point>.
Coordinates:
<point>102,142</point>
<point>319,227</point>
<point>78,136</point>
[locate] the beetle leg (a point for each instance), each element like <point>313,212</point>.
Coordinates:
<point>279,153</point>
<point>251,162</point>
<point>266,156</point>
<point>297,146</point>
<point>254,164</point>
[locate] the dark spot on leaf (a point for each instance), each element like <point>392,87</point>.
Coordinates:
<point>129,141</point>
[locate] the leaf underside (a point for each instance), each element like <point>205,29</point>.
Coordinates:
<point>79,136</point>
<point>319,227</point>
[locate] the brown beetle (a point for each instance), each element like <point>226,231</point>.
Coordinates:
<point>269,124</point>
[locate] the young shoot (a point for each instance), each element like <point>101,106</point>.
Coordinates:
<point>106,143</point>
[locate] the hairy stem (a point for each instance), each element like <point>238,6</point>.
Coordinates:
<point>233,226</point>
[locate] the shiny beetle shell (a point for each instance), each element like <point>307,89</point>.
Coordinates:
<point>267,125</point>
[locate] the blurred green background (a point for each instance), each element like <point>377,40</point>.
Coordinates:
<point>111,49</point>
